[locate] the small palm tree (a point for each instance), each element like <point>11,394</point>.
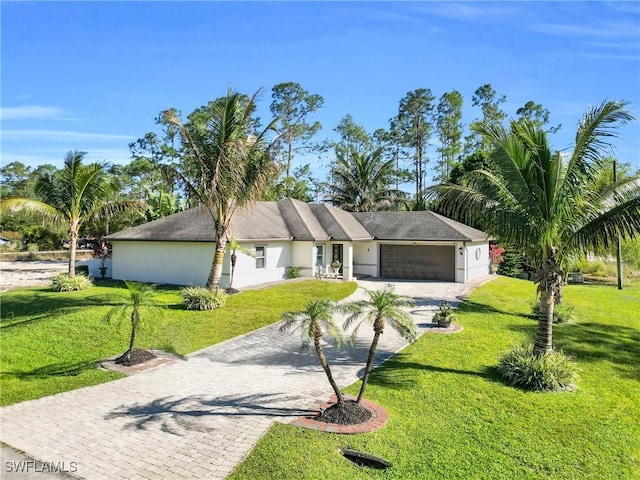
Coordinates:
<point>314,321</point>
<point>236,247</point>
<point>140,296</point>
<point>382,307</point>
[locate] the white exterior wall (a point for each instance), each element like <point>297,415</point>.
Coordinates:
<point>94,265</point>
<point>303,256</point>
<point>477,267</point>
<point>175,263</point>
<point>365,259</point>
<point>277,259</point>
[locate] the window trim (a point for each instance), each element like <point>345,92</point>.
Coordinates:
<point>324,252</point>
<point>263,257</point>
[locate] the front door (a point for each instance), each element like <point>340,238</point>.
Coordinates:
<point>337,255</point>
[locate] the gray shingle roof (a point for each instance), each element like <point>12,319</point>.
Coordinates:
<point>294,220</point>
<point>424,226</point>
<point>258,221</point>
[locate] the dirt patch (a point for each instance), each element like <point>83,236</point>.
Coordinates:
<point>351,413</point>
<point>159,358</point>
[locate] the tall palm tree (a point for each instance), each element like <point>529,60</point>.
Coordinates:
<point>72,195</point>
<point>140,296</point>
<point>381,308</point>
<point>314,321</point>
<point>362,182</point>
<point>226,165</point>
<point>235,248</point>
<point>551,207</point>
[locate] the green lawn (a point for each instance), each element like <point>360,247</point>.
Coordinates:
<point>50,342</point>
<point>452,418</point>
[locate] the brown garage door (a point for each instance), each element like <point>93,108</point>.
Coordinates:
<point>418,262</point>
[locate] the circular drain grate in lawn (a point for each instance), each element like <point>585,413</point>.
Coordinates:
<point>363,459</point>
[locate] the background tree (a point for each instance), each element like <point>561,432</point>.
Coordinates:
<point>292,105</point>
<point>489,102</point>
<point>413,127</point>
<point>72,195</point>
<point>537,114</point>
<point>226,164</point>
<point>383,307</point>
<point>315,321</point>
<point>449,128</point>
<point>549,208</point>
<point>362,183</point>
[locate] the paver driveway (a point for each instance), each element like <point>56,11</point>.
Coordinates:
<point>197,418</point>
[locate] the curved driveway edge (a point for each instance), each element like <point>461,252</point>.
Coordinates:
<point>198,418</point>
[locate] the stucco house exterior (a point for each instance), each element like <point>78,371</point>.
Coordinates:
<point>179,249</point>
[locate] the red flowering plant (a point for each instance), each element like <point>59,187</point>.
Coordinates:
<point>101,250</point>
<point>496,253</point>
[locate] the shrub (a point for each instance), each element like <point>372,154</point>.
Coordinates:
<point>444,316</point>
<point>64,283</point>
<point>511,265</point>
<point>201,298</point>
<point>552,371</point>
<point>562,313</point>
<point>293,272</point>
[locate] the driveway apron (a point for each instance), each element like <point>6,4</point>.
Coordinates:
<point>199,417</point>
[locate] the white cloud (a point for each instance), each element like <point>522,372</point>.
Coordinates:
<point>31,112</point>
<point>62,136</point>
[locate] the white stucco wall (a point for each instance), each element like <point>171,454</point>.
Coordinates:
<point>277,259</point>
<point>189,263</point>
<point>303,256</point>
<point>175,263</point>
<point>477,267</point>
<point>94,265</point>
<point>365,259</point>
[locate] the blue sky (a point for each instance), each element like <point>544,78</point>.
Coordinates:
<point>93,76</point>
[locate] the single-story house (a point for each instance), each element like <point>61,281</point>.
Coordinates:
<point>179,249</point>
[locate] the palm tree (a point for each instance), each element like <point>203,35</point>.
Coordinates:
<point>381,308</point>
<point>140,296</point>
<point>72,195</point>
<point>551,207</point>
<point>236,247</point>
<point>226,166</point>
<point>361,182</point>
<point>314,321</point>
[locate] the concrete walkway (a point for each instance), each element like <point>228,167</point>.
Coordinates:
<point>197,418</point>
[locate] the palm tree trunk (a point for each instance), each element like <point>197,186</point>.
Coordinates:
<point>134,328</point>
<point>234,259</point>
<point>544,339</point>
<point>73,240</point>
<point>325,366</point>
<point>369,366</point>
<point>213,282</point>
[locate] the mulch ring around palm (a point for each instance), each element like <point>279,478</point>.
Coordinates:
<point>351,420</point>
<point>140,361</point>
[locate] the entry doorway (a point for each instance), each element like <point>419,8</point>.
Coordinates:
<point>338,255</point>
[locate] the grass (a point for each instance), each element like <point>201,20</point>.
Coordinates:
<point>50,342</point>
<point>452,418</point>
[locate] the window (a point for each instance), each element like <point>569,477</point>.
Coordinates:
<point>260,256</point>
<point>319,255</point>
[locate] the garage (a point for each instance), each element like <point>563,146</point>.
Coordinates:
<point>418,262</point>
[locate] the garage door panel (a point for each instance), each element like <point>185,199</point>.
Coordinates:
<point>418,262</point>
